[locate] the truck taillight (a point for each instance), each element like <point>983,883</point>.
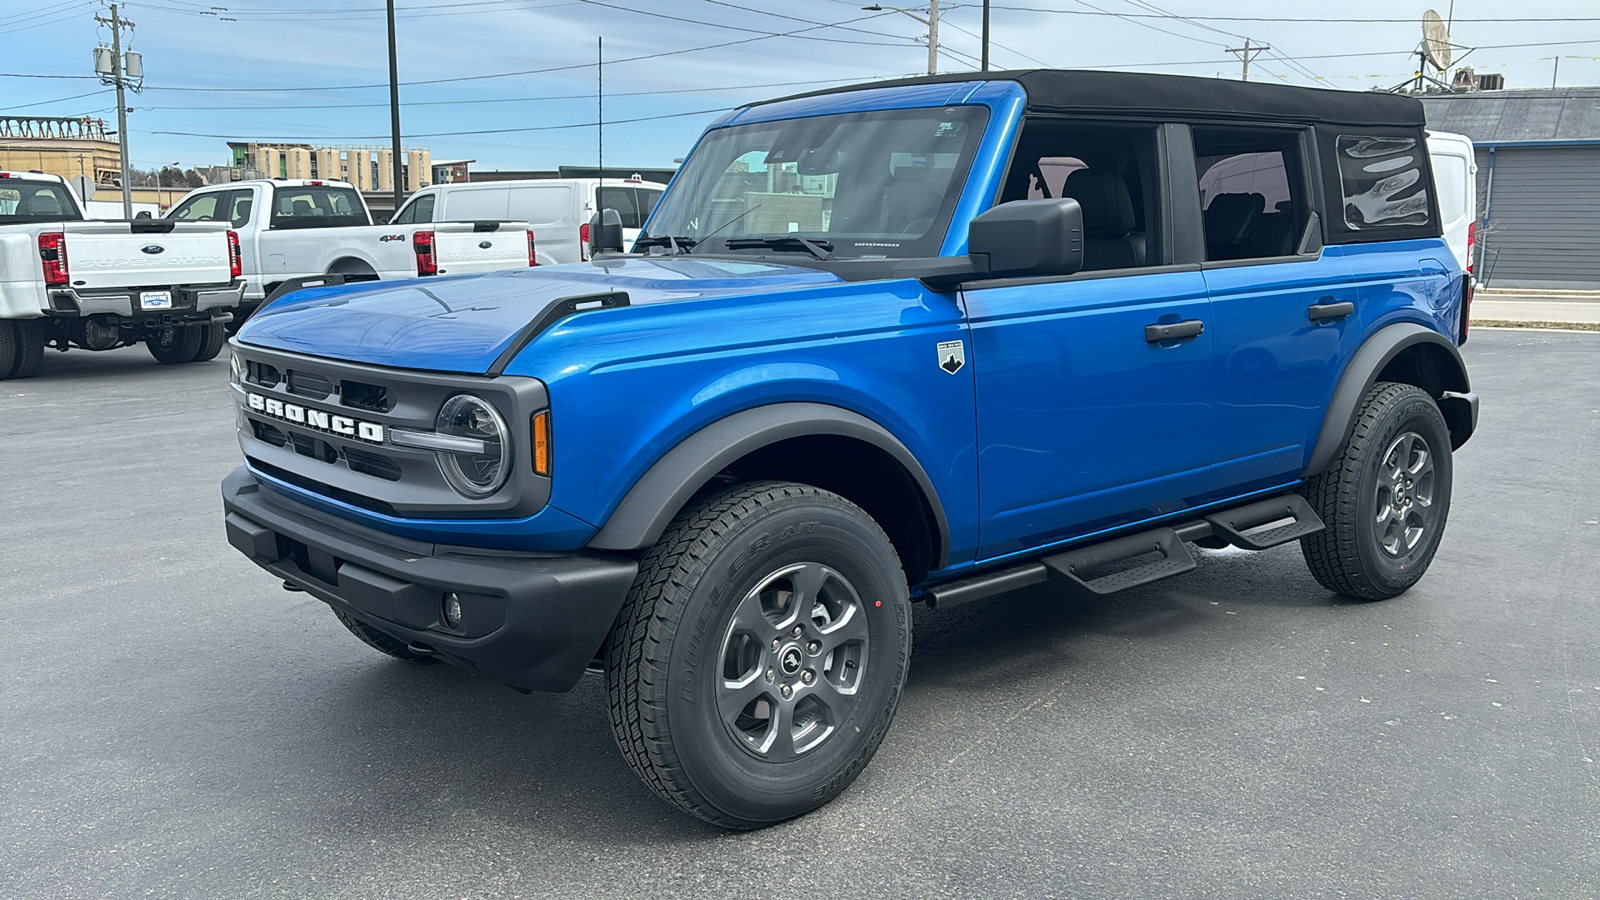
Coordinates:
<point>53,256</point>
<point>235,259</point>
<point>1472,241</point>
<point>533,260</point>
<point>583,241</point>
<point>427,261</point>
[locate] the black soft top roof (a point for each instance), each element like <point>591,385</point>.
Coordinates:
<point>1076,91</point>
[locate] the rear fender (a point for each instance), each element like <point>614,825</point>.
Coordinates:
<point>1411,354</point>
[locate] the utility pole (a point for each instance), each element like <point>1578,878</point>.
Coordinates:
<point>1247,53</point>
<point>394,114</point>
<point>932,21</point>
<point>600,113</point>
<point>985,35</point>
<point>117,76</point>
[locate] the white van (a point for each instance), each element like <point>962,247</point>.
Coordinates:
<point>1456,183</point>
<point>557,208</point>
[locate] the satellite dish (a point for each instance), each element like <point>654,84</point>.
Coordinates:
<point>1435,40</point>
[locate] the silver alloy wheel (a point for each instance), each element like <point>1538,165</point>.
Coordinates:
<point>792,661</point>
<point>1405,494</point>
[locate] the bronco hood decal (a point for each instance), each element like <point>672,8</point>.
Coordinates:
<point>463,324</point>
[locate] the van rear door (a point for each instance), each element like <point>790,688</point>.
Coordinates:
<point>1455,182</point>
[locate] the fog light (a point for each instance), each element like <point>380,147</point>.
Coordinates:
<point>452,610</point>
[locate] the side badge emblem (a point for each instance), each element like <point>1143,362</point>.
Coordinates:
<point>952,356</point>
<point>484,245</point>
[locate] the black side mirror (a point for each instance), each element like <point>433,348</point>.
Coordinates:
<point>605,232</point>
<point>1028,237</point>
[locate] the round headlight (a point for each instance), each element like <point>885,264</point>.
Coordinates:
<point>476,473</point>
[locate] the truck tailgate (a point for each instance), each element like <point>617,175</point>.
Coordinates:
<point>112,255</point>
<point>467,247</point>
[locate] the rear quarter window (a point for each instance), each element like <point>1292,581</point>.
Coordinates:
<point>1450,180</point>
<point>1383,181</point>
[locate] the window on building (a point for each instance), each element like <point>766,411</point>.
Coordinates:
<point>1252,191</point>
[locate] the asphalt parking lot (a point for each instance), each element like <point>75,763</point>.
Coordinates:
<point>172,724</point>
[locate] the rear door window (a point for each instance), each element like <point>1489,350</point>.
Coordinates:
<point>316,207</point>
<point>1450,177</point>
<point>1253,191</point>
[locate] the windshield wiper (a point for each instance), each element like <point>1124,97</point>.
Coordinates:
<point>821,249</point>
<point>676,244</point>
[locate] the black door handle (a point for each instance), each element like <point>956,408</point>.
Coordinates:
<point>1320,311</point>
<point>1155,334</point>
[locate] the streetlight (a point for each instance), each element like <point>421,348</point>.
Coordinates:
<point>932,21</point>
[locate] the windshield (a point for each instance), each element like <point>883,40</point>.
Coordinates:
<point>22,202</point>
<point>869,185</point>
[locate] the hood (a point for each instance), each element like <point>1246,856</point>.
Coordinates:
<point>463,323</point>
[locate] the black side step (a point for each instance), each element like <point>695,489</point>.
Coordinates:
<point>1232,524</point>
<point>1175,560</point>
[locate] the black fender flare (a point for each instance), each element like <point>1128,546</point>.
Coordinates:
<point>1456,401</point>
<point>650,505</point>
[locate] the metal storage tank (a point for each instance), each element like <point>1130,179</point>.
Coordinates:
<point>385,170</point>
<point>359,163</point>
<point>299,159</point>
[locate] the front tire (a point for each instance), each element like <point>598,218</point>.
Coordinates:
<point>757,662</point>
<point>1385,497</point>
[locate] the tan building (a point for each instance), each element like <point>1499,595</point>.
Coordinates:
<point>369,168</point>
<point>60,146</point>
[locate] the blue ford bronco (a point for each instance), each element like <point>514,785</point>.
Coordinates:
<point>920,341</point>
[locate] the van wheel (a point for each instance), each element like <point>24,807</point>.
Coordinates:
<point>29,347</point>
<point>757,662</point>
<point>379,641</point>
<point>178,344</point>
<point>213,338</point>
<point>1385,497</point>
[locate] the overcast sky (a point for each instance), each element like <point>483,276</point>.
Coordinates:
<point>196,62</point>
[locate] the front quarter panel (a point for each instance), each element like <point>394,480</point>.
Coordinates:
<point>627,385</point>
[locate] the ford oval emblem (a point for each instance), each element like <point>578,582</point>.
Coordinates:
<point>484,245</point>
<point>153,249</point>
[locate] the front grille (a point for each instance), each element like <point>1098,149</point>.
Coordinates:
<point>268,434</point>
<point>370,397</point>
<point>262,374</point>
<point>324,424</point>
<point>309,384</point>
<point>373,464</point>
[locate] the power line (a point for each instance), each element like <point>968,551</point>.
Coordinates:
<point>553,97</point>
<point>368,137</point>
<point>642,12</point>
<point>57,100</point>
<point>1313,19</point>
<point>546,70</point>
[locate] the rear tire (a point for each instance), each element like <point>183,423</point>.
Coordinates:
<point>173,347</point>
<point>8,348</point>
<point>379,641</point>
<point>757,662</point>
<point>1385,497</point>
<point>30,343</point>
<point>213,338</point>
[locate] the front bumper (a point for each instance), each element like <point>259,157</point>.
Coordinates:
<point>533,621</point>
<point>186,301</point>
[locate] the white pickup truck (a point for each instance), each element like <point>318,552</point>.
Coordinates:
<point>296,228</point>
<point>64,281</point>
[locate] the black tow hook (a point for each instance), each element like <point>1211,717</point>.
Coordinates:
<point>293,588</point>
